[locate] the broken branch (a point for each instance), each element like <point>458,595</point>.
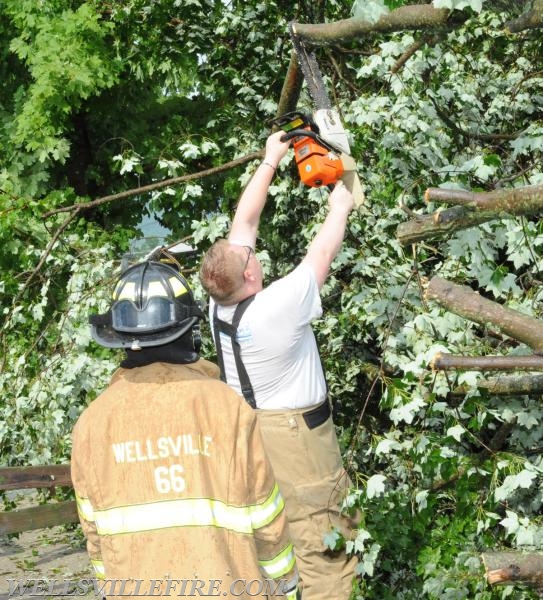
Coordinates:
<point>467,303</point>
<point>443,361</point>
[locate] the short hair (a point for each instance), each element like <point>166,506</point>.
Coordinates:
<point>221,272</point>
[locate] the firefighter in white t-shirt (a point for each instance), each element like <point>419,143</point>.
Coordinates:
<point>267,351</point>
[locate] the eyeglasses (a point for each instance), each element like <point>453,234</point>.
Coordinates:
<point>249,252</point>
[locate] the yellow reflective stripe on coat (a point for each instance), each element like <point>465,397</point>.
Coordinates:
<point>84,508</point>
<point>264,513</point>
<point>99,569</point>
<point>197,512</point>
<point>279,565</point>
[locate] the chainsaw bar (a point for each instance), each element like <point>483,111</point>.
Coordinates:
<point>311,71</point>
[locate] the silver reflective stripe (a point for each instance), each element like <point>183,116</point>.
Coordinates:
<point>172,513</point>
<point>265,513</point>
<point>84,508</point>
<point>195,512</point>
<point>98,568</point>
<point>280,565</point>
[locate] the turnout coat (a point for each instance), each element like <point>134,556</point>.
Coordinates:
<point>174,490</point>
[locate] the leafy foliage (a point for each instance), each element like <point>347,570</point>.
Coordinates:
<point>101,97</point>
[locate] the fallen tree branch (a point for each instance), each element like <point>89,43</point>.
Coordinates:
<point>514,567</point>
<point>75,209</point>
<point>495,445</point>
<point>444,361</point>
<point>463,301</point>
<point>486,137</point>
<point>507,385</point>
<point>471,209</point>
<point>441,224</point>
<point>514,201</point>
<point>426,40</point>
<point>531,19</point>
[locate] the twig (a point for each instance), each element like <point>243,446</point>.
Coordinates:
<point>156,186</point>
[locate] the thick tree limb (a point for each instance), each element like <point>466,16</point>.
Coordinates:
<point>405,18</point>
<point>514,567</point>
<point>443,361</point>
<point>463,301</point>
<point>507,385</point>
<point>472,208</point>
<point>292,86</point>
<point>531,19</point>
<point>515,201</point>
<point>441,224</point>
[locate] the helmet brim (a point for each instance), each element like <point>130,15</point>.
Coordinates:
<point>105,335</point>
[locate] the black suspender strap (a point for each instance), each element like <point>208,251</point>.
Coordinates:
<point>220,326</point>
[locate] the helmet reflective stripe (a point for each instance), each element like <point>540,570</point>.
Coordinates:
<point>177,286</point>
<point>279,565</point>
<point>152,305</point>
<point>262,514</point>
<point>99,569</point>
<point>125,290</point>
<point>84,508</point>
<point>156,288</point>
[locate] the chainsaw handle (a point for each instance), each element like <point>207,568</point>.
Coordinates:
<point>300,133</point>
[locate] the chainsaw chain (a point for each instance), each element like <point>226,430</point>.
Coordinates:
<point>311,72</point>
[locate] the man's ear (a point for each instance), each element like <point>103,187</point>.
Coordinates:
<point>249,275</point>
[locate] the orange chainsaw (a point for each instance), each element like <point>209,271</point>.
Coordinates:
<point>318,161</point>
<point>321,145</point>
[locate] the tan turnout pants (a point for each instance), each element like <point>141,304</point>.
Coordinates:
<point>309,470</point>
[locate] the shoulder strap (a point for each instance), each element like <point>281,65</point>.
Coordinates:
<point>220,326</point>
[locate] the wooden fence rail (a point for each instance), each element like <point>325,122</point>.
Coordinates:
<point>43,515</point>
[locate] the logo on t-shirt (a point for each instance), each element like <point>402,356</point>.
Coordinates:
<point>244,335</point>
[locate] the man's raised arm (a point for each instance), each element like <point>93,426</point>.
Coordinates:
<point>326,244</point>
<point>251,203</point>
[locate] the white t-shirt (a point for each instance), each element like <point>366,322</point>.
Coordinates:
<point>278,347</point>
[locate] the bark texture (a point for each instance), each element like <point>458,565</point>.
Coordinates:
<point>463,301</point>
<point>469,209</point>
<point>514,567</point>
